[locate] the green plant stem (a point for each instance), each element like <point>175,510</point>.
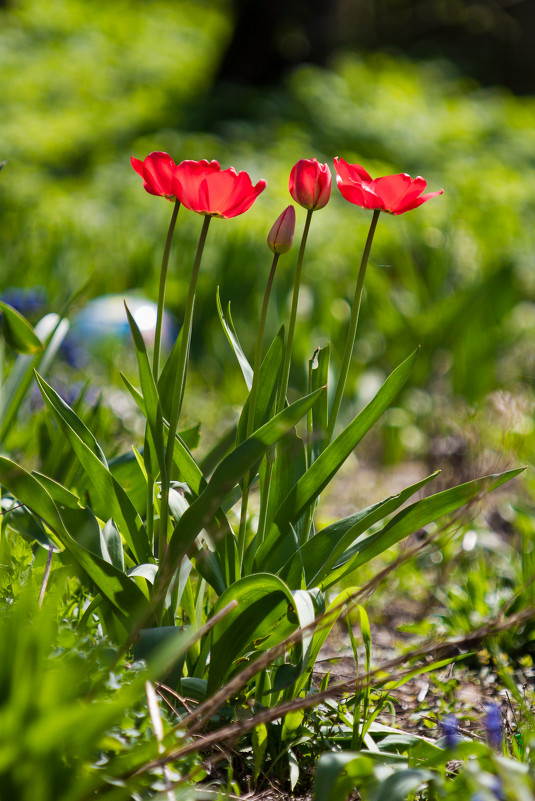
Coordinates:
<point>352,331</point>
<point>293,315</point>
<point>252,404</point>
<point>178,390</point>
<point>270,459</point>
<point>161,291</point>
<point>149,520</point>
<point>156,353</point>
<point>264,496</point>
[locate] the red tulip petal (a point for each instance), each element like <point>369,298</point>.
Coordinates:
<point>302,182</point>
<point>392,189</point>
<point>414,190</point>
<point>350,172</point>
<point>310,183</point>
<point>158,170</point>
<point>360,194</point>
<point>245,201</point>
<point>188,177</point>
<point>137,164</point>
<point>415,202</point>
<point>225,188</point>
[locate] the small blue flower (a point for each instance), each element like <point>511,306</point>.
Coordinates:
<point>494,726</point>
<point>450,730</point>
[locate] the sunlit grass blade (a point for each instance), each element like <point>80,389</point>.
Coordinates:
<point>149,391</point>
<point>230,333</point>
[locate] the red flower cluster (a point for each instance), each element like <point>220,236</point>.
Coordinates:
<point>393,193</point>
<point>201,186</point>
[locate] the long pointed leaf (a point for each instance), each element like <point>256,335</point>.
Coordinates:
<point>267,388</point>
<point>153,409</point>
<point>278,546</point>
<point>319,374</point>
<point>189,469</point>
<point>51,330</point>
<point>17,331</point>
<point>230,333</point>
<point>166,381</point>
<point>109,498</point>
<point>321,552</point>
<point>263,617</point>
<point>409,520</point>
<point>229,472</point>
<point>122,593</point>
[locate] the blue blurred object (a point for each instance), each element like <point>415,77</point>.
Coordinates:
<point>29,301</point>
<point>494,726</point>
<point>103,323</point>
<point>450,730</point>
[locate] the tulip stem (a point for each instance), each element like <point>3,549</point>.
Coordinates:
<point>161,291</point>
<point>253,394</point>
<point>179,385</point>
<point>293,315</point>
<point>270,456</point>
<point>352,331</point>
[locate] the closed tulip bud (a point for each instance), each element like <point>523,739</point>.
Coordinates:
<point>281,236</point>
<point>310,184</point>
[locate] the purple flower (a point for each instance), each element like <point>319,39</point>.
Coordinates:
<point>494,726</point>
<point>450,730</point>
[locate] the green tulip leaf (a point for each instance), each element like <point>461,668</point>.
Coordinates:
<point>264,616</point>
<point>108,497</point>
<point>151,400</point>
<point>278,546</point>
<point>320,553</point>
<point>267,388</point>
<point>17,331</point>
<point>231,335</point>
<point>118,589</point>
<point>419,514</point>
<point>229,472</point>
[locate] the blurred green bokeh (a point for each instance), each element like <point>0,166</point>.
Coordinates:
<point>85,86</point>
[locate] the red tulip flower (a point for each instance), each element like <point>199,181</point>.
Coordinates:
<point>393,193</point>
<point>157,171</point>
<point>310,184</point>
<point>202,186</point>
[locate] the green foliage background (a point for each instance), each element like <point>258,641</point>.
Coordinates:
<point>85,86</point>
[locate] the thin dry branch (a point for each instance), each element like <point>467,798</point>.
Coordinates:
<point>377,677</point>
